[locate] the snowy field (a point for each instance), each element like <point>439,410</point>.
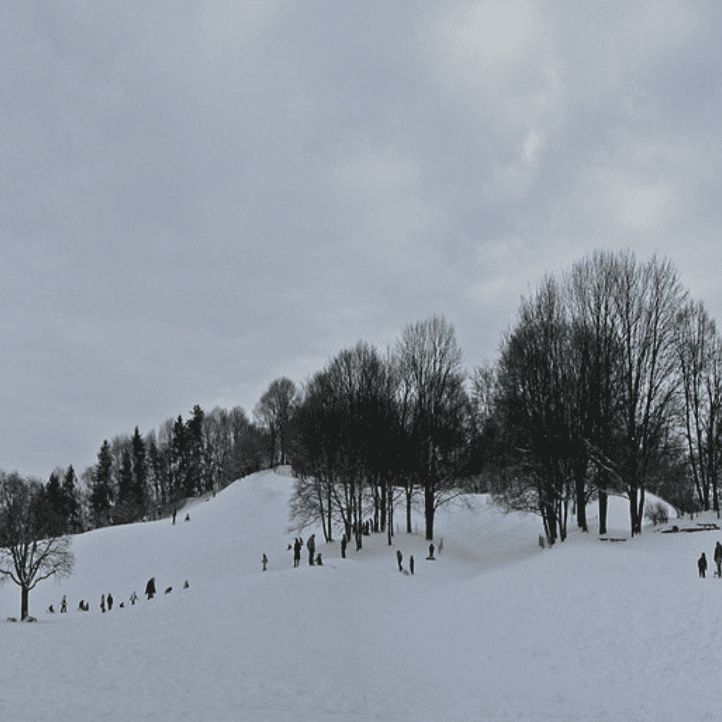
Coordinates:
<point>495,629</point>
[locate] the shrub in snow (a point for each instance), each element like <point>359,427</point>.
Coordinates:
<point>657,513</point>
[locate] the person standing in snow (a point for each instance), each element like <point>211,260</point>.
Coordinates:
<point>264,561</point>
<point>702,565</point>
<point>296,552</point>
<point>150,588</point>
<point>311,546</point>
<point>718,558</point>
<point>133,597</point>
<point>110,601</point>
<point>343,546</point>
<point>102,603</point>
<point>64,605</point>
<point>411,565</point>
<point>399,559</point>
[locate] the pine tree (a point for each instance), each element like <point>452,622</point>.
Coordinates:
<point>101,494</point>
<point>70,503</point>
<point>140,472</point>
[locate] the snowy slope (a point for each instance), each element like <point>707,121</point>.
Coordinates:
<point>495,629</point>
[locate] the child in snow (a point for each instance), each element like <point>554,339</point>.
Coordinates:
<point>64,605</point>
<point>702,565</point>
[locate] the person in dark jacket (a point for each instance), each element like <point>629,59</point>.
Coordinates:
<point>296,552</point>
<point>702,565</point>
<point>311,546</point>
<point>102,603</point>
<point>411,564</point>
<point>150,588</point>
<point>399,559</point>
<point>343,546</point>
<point>718,558</point>
<point>110,601</point>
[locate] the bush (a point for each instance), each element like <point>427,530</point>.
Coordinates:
<point>657,513</point>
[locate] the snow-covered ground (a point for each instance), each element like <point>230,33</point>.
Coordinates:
<point>494,629</point>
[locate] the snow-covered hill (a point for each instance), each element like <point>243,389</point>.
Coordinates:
<point>494,629</point>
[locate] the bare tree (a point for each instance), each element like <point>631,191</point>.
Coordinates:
<point>274,411</point>
<point>431,373</point>
<point>700,358</point>
<point>29,553</point>
<point>647,300</point>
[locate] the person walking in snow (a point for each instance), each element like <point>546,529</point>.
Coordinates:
<point>343,546</point>
<point>64,605</point>
<point>150,588</point>
<point>311,546</point>
<point>133,597</point>
<point>702,565</point>
<point>102,603</point>
<point>264,561</point>
<point>718,558</point>
<point>296,552</point>
<point>399,559</point>
<point>411,565</point>
<point>110,601</point>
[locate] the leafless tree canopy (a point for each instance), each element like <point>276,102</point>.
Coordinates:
<point>29,553</point>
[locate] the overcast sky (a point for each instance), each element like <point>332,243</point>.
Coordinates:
<point>197,198</point>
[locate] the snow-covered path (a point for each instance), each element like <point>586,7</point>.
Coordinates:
<point>495,629</point>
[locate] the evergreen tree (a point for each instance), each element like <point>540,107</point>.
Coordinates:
<point>140,472</point>
<point>71,511</point>
<point>52,498</point>
<point>101,493</point>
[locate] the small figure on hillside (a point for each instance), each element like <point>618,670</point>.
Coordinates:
<point>64,605</point>
<point>133,597</point>
<point>110,601</point>
<point>319,561</point>
<point>175,511</point>
<point>344,542</point>
<point>150,588</point>
<point>311,546</point>
<point>411,564</point>
<point>431,551</point>
<point>542,544</point>
<point>102,603</point>
<point>702,565</point>
<point>51,610</point>
<point>81,605</point>
<point>188,517</point>
<point>264,561</point>
<point>185,584</point>
<point>718,558</point>
<point>441,544</point>
<point>399,559</point>
<point>296,552</point>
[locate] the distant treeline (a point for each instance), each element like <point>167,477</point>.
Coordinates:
<point>609,381</point>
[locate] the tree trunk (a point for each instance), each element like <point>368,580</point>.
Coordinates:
<point>581,501</point>
<point>429,511</point>
<point>24,604</point>
<point>603,499</point>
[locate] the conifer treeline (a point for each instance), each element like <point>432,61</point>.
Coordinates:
<point>143,477</point>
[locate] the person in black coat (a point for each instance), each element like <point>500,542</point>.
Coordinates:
<point>702,565</point>
<point>311,546</point>
<point>399,559</point>
<point>343,546</point>
<point>150,588</point>
<point>296,552</point>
